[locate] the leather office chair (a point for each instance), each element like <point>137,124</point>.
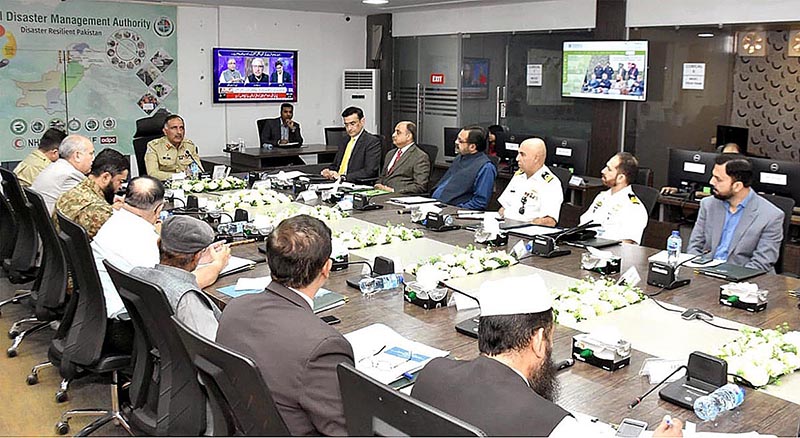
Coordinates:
<point>21,268</point>
<point>644,177</point>
<point>786,205</point>
<point>241,400</point>
<point>50,288</point>
<point>8,239</point>
<point>432,151</point>
<point>564,176</point>
<point>83,348</point>
<point>366,400</point>
<point>648,196</point>
<point>175,403</point>
<point>260,126</point>
<point>147,129</point>
<point>336,136</point>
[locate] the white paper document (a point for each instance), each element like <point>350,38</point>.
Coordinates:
<point>662,257</point>
<point>236,264</point>
<point>410,200</point>
<point>385,355</point>
<point>258,283</point>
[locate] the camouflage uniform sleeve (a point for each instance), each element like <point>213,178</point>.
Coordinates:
<point>93,217</point>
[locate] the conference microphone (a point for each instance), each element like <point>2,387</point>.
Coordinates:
<point>662,274</point>
<point>639,399</point>
<point>468,327</point>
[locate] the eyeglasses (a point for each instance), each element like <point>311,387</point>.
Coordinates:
<point>383,363</point>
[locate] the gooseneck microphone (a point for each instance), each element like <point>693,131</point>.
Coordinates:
<point>639,399</point>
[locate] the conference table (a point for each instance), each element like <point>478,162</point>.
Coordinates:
<point>261,158</point>
<point>584,388</point>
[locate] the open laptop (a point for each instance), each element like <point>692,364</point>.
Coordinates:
<point>729,272</point>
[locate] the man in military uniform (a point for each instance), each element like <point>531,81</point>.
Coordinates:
<point>171,153</point>
<point>89,203</point>
<point>28,169</point>
<point>621,215</point>
<point>534,193</point>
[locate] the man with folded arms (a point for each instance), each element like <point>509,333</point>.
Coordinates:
<point>184,242</point>
<point>89,204</point>
<point>469,181</point>
<point>296,352</point>
<point>408,168</point>
<point>737,225</point>
<point>510,389</point>
<point>76,154</point>
<point>47,153</point>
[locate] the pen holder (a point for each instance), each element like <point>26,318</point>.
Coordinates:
<point>427,299</point>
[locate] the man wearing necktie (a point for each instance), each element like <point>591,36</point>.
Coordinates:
<point>360,160</point>
<point>407,169</point>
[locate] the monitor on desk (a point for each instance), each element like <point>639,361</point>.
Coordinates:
<point>690,171</point>
<point>780,178</point>
<point>569,153</point>
<point>450,137</point>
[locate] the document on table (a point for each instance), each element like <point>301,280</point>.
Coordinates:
<point>237,264</point>
<point>412,200</point>
<point>385,355</point>
<point>662,257</point>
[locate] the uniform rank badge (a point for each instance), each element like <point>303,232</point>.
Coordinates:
<point>634,199</point>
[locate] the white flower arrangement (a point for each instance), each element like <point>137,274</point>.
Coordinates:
<point>252,198</point>
<point>324,213</point>
<point>358,238</point>
<point>465,262</point>
<point>589,298</point>
<point>762,356</point>
<point>208,185</point>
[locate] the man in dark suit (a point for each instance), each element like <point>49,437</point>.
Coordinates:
<point>509,390</point>
<point>360,160</point>
<point>296,352</point>
<point>280,76</point>
<point>283,129</point>
<point>407,169</point>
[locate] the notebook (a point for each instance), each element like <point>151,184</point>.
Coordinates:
<point>729,272</point>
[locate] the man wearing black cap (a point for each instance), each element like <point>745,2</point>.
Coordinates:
<point>184,243</point>
<point>510,389</point>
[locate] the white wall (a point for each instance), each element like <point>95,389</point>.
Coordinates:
<point>326,45</point>
<point>643,13</point>
<point>538,15</point>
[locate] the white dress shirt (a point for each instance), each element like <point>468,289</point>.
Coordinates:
<point>394,157</point>
<point>542,192</point>
<point>126,241</point>
<point>621,215</point>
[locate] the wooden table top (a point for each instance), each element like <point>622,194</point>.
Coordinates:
<point>306,149</point>
<point>585,388</point>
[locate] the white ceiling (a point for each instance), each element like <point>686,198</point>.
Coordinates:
<point>354,7</point>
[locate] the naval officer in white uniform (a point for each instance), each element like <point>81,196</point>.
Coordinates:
<point>534,193</point>
<point>621,214</point>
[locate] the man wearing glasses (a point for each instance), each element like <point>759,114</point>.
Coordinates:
<point>258,72</point>
<point>534,194</point>
<point>360,160</point>
<point>470,180</point>
<point>296,351</point>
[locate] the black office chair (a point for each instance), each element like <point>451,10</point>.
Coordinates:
<point>8,239</point>
<point>374,409</point>
<point>260,126</point>
<point>235,387</point>
<point>336,136</point>
<point>644,177</point>
<point>147,129</point>
<point>564,176</point>
<point>21,268</point>
<point>786,205</point>
<point>175,400</point>
<point>50,289</point>
<point>83,348</point>
<point>432,151</point>
<point>647,195</point>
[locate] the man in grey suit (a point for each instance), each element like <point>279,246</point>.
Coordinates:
<point>407,169</point>
<point>736,224</point>
<point>296,352</point>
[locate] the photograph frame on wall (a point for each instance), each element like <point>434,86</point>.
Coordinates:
<point>475,78</point>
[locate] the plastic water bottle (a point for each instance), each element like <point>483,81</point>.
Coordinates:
<point>194,170</point>
<point>708,407</point>
<point>370,285</point>
<point>674,244</point>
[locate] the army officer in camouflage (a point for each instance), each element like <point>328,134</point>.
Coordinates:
<point>89,204</point>
<point>171,153</point>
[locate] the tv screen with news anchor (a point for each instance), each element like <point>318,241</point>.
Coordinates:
<point>254,75</point>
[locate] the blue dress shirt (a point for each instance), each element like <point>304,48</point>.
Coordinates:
<point>482,188</point>
<point>731,221</point>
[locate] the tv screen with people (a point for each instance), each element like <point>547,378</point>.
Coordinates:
<point>254,75</point>
<point>605,70</point>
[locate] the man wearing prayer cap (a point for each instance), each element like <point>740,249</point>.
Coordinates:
<point>184,243</point>
<point>510,389</point>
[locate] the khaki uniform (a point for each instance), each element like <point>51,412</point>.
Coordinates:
<point>526,199</point>
<point>162,159</point>
<point>28,169</point>
<point>621,216</point>
<point>85,205</point>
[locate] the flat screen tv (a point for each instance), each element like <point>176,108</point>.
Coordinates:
<point>605,70</point>
<point>254,75</point>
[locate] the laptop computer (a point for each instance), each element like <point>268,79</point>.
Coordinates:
<point>729,272</point>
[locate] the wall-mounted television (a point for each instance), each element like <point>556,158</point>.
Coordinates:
<point>254,75</point>
<point>605,70</point>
